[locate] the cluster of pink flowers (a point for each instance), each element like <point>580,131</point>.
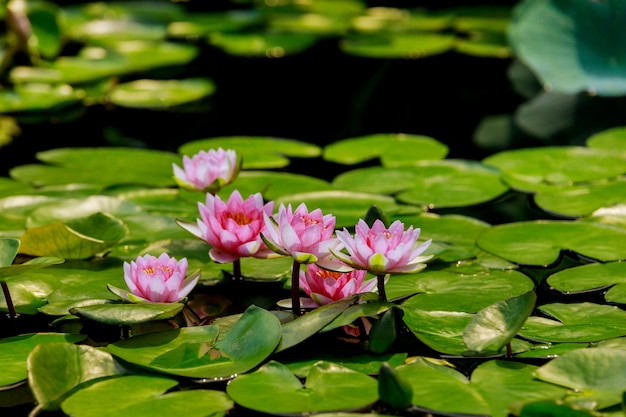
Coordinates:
<point>335,262</point>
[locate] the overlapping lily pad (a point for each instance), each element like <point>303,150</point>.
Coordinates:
<point>541,242</point>
<point>531,169</point>
<point>106,166</point>
<point>202,352</point>
<point>144,395</point>
<point>433,184</point>
<point>317,394</point>
<point>273,184</point>
<point>394,150</point>
<point>595,276</point>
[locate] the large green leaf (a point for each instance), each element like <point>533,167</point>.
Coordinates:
<point>596,377</point>
<point>75,239</point>
<point>593,276</point>
<point>144,395</point>
<point>541,242</point>
<point>393,149</point>
<point>106,166</point>
<point>273,185</point>
<point>263,44</point>
<point>531,168</point>
<point>447,291</point>
<point>127,314</point>
<point>367,363</point>
<point>15,350</point>
<point>37,97</point>
<point>55,369</point>
<point>609,140</point>
<point>328,387</point>
<point>8,250</point>
<point>198,352</point>
<point>576,322</point>
<point>433,184</point>
<point>159,94</point>
<point>398,45</point>
<point>496,325</point>
<point>584,37</point>
<point>258,152</point>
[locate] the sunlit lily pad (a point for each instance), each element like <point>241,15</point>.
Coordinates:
<point>320,391</point>
<point>398,45</point>
<point>612,140</point>
<point>144,395</point>
<point>493,388</point>
<point>576,322</point>
<point>593,276</point>
<point>55,369</point>
<point>393,149</point>
<point>263,44</point>
<point>541,242</point>
<point>106,166</point>
<point>202,24</point>
<point>161,93</point>
<point>581,38</point>
<point>582,200</point>
<point>447,291</point>
<point>258,152</point>
<point>128,314</point>
<point>347,206</point>
<point>15,350</point>
<point>595,377</point>
<point>37,97</point>
<point>433,184</point>
<point>198,351</point>
<point>366,363</point>
<point>530,168</point>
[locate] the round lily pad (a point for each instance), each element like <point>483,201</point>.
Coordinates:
<point>273,185</point>
<point>541,242</point>
<point>402,45</point>
<point>591,277</point>
<point>161,93</point>
<point>263,44</point>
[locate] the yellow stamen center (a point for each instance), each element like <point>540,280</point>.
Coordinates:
<point>240,218</point>
<point>328,274</point>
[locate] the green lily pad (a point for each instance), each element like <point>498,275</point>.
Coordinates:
<point>202,24</point>
<point>581,36</point>
<point>144,395</point>
<point>530,168</point>
<point>494,387</point>
<point>8,250</point>
<point>366,363</point>
<point>74,239</point>
<point>159,94</point>
<point>273,185</point>
<point>447,291</point>
<point>496,325</point>
<point>323,24</point>
<point>394,150</point>
<point>591,277</point>
<point>198,352</point>
<point>541,242</point>
<point>582,200</point>
<point>398,45</point>
<point>609,140</point>
<point>31,264</point>
<point>328,387</point>
<point>433,184</point>
<point>37,97</point>
<point>260,44</point>
<point>257,152</point>
<point>347,206</point>
<point>55,369</point>
<point>550,350</point>
<point>443,331</point>
<point>371,308</point>
<point>106,166</point>
<point>127,314</point>
<point>576,323</point>
<point>15,350</point>
<point>594,376</point>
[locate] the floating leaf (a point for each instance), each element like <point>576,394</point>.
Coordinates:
<point>393,149</point>
<point>318,394</point>
<point>541,242</point>
<point>274,184</point>
<point>398,45</point>
<point>195,351</point>
<point>161,93</point>
<point>591,277</point>
<point>144,395</point>
<point>260,44</point>
<point>74,239</point>
<point>128,314</point>
<point>495,326</point>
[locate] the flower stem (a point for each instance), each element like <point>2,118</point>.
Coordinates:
<point>237,270</point>
<point>295,288</point>
<point>382,295</point>
<point>7,296</point>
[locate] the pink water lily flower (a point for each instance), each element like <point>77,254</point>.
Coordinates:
<point>324,286</point>
<point>157,280</point>
<point>207,171</point>
<point>383,250</point>
<point>304,236</point>
<point>232,228</point>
